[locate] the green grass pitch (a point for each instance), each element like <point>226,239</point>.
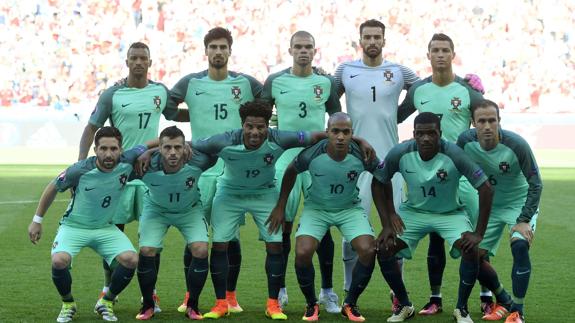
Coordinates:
<point>27,293</point>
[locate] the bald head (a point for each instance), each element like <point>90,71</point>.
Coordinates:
<point>301,34</point>
<point>337,117</point>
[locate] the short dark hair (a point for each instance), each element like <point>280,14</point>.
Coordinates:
<point>108,132</point>
<point>172,132</point>
<point>372,23</point>
<point>441,37</point>
<point>337,117</point>
<point>217,33</point>
<point>301,33</point>
<point>139,45</point>
<point>258,108</point>
<point>484,104</point>
<point>427,117</point>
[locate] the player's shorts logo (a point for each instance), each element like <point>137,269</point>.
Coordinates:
<point>236,92</point>
<point>318,91</point>
<point>352,175</point>
<point>388,75</point>
<point>190,181</point>
<point>456,103</point>
<point>269,159</point>
<point>123,179</point>
<point>442,175</point>
<point>158,102</point>
<point>504,167</point>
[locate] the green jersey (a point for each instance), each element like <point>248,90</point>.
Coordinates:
<point>176,192</point>
<point>135,112</point>
<point>301,102</point>
<point>250,171</point>
<point>95,193</point>
<point>452,103</point>
<point>333,183</point>
<point>431,185</point>
<point>511,169</point>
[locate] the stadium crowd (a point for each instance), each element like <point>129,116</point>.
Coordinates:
<point>59,53</point>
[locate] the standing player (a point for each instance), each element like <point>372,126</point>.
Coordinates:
<point>332,200</point>
<point>301,98</point>
<point>510,165</point>
<point>451,99</point>
<point>97,184</point>
<point>173,199</point>
<point>213,98</point>
<point>134,107</point>
<point>431,168</point>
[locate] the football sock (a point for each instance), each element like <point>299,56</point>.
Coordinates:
<point>520,273</point>
<point>107,273</point>
<point>360,279</point>
<point>235,263</point>
<point>488,277</point>
<point>468,271</point>
<point>305,279</point>
<point>147,277</point>
<point>325,252</point>
<point>120,279</point>
<point>390,270</point>
<point>197,275</point>
<point>219,272</point>
<point>274,271</point>
<point>286,248</point>
<point>349,260</point>
<point>187,262</point>
<point>63,281</point>
<point>435,262</point>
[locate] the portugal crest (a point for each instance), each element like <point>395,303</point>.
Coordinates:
<point>352,175</point>
<point>318,91</point>
<point>158,103</point>
<point>190,181</point>
<point>388,75</point>
<point>442,175</point>
<point>123,179</point>
<point>269,159</point>
<point>456,103</point>
<point>236,92</point>
<point>504,167</point>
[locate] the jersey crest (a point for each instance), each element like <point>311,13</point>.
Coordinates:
<point>158,102</point>
<point>504,167</point>
<point>318,91</point>
<point>456,103</point>
<point>269,159</point>
<point>123,179</point>
<point>236,92</point>
<point>442,175</point>
<point>388,74</point>
<point>190,181</point>
<point>352,175</point>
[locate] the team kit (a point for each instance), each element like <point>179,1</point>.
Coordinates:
<point>261,150</point>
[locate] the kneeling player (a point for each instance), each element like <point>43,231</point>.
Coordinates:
<point>173,199</point>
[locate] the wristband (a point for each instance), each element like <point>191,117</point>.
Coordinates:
<point>37,219</point>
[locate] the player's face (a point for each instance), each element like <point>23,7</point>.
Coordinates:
<point>303,50</point>
<point>138,62</point>
<point>339,135</point>
<point>427,137</point>
<point>172,150</point>
<point>255,132</point>
<point>218,52</point>
<point>372,41</point>
<point>440,55</point>
<point>108,153</point>
<point>486,123</point>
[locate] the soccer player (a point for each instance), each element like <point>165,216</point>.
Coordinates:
<point>332,200</point>
<point>372,86</point>
<point>97,184</point>
<point>173,199</point>
<point>512,170</point>
<point>301,98</point>
<point>133,106</point>
<point>431,168</point>
<point>213,97</point>
<point>450,98</point>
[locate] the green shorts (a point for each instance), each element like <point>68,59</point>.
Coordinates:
<point>301,185</point>
<point>469,197</point>
<point>228,213</point>
<point>499,218</point>
<point>207,185</point>
<point>156,221</point>
<point>108,242</point>
<point>131,203</point>
<point>352,222</point>
<point>418,225</point>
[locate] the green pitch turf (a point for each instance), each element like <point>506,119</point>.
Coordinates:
<point>27,293</point>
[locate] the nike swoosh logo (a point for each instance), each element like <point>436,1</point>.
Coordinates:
<point>88,189</point>
<point>152,184</point>
<point>352,76</point>
<point>125,105</point>
<point>424,102</point>
<point>277,275</point>
<point>522,272</point>
<point>200,93</point>
<point>200,271</point>
<point>283,92</point>
<point>318,175</point>
<point>465,283</point>
<point>409,172</point>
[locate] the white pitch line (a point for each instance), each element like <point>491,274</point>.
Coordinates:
<point>27,201</point>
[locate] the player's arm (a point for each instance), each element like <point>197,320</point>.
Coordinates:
<point>277,215</point>
<point>86,140</point>
<point>182,115</point>
<point>391,223</point>
<point>35,227</point>
<point>266,93</point>
<point>407,107</point>
<point>332,105</point>
<point>339,87</point>
<point>101,113</point>
<point>409,77</point>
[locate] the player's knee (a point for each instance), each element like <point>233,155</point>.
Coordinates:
<point>148,251</point>
<point>483,255</point>
<point>199,249</point>
<point>61,260</point>
<point>287,229</point>
<point>365,247</point>
<point>219,246</point>
<point>519,247</point>
<point>274,247</point>
<point>304,254</point>
<point>471,255</point>
<point>128,259</point>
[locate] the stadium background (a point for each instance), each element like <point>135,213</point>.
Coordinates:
<point>56,56</point>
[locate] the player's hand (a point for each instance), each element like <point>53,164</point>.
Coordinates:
<point>475,82</point>
<point>188,152</point>
<point>397,224</point>
<point>35,232</point>
<point>525,230</point>
<point>275,220</point>
<point>368,151</point>
<point>470,240</point>
<point>143,162</point>
<point>385,239</point>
